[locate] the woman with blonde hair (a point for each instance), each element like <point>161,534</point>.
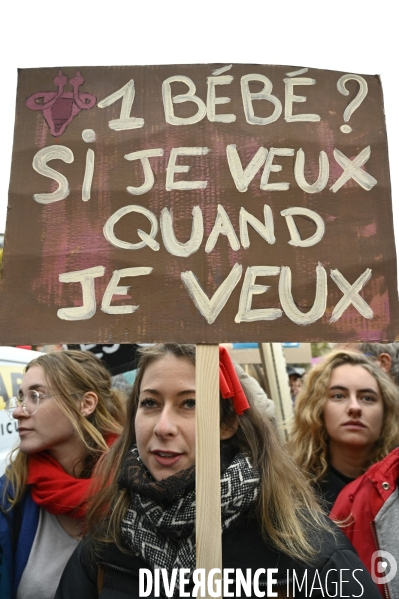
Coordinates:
<point>143,516</point>
<point>346,418</point>
<point>68,416</point>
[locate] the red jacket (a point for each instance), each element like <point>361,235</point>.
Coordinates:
<point>360,502</point>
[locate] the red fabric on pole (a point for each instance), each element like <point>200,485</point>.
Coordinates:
<point>230,386</point>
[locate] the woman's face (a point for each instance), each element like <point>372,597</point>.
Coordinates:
<point>48,429</point>
<point>354,409</point>
<point>165,419</point>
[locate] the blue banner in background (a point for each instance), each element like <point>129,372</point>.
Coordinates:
<point>255,345</point>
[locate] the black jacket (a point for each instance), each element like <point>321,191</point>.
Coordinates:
<point>336,571</point>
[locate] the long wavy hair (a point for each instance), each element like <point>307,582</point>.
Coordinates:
<point>69,375</point>
<point>309,442</point>
<point>286,507</point>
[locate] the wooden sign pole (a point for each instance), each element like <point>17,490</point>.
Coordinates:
<point>208,515</point>
<point>273,361</point>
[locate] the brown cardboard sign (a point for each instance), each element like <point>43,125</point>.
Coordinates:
<point>198,203</point>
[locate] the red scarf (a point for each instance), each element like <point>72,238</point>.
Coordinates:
<point>54,489</point>
<point>230,386</point>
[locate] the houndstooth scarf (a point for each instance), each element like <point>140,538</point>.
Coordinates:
<point>160,522</point>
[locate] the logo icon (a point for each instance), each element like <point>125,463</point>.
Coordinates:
<point>60,107</point>
<point>383,567</point>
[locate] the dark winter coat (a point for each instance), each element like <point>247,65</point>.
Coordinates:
<point>243,547</point>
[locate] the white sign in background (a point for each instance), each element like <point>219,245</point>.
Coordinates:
<point>339,37</point>
<point>8,431</point>
<point>10,380</point>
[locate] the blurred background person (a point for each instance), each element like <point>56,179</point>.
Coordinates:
<point>386,355</point>
<point>346,418</point>
<point>68,416</point>
<point>294,381</point>
<point>368,509</point>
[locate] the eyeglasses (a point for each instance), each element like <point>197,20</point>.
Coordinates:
<point>29,403</point>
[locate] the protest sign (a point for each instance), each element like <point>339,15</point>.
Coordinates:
<point>198,203</point>
<point>118,358</point>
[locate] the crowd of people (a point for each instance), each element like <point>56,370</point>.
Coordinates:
<point>102,486</point>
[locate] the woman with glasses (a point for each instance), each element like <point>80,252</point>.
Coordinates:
<point>346,418</point>
<point>143,516</point>
<point>68,416</point>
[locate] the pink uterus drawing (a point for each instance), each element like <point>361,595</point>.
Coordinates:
<point>59,107</point>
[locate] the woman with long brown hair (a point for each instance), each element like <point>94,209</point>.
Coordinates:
<point>68,416</point>
<point>143,516</point>
<point>346,418</point>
